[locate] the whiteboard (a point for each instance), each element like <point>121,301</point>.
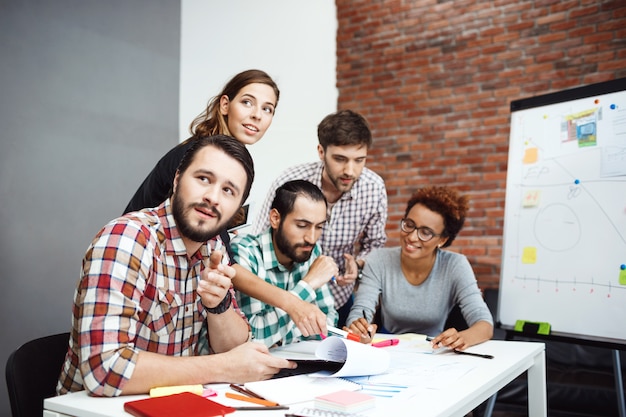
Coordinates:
<point>564,242</point>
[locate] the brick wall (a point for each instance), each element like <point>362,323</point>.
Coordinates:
<point>435,80</point>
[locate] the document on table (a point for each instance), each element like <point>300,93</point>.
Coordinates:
<point>410,366</point>
<point>357,358</point>
<point>419,371</point>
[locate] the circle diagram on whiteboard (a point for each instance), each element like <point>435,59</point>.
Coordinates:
<point>557,228</point>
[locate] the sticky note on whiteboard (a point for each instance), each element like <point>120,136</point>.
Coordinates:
<point>531,198</point>
<point>622,277</point>
<point>530,155</point>
<point>529,255</point>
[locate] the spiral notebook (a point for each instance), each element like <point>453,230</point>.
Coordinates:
<point>299,388</point>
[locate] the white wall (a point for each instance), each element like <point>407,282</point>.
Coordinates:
<point>88,103</point>
<point>294,41</point>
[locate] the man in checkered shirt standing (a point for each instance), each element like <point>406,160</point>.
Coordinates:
<point>357,213</point>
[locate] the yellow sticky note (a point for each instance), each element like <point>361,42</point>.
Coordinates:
<point>162,391</point>
<point>530,156</point>
<point>529,255</point>
<point>622,277</point>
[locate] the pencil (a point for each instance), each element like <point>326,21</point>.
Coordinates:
<point>261,408</point>
<point>251,399</point>
<point>246,391</point>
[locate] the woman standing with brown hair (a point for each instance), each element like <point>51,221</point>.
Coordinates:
<point>244,109</point>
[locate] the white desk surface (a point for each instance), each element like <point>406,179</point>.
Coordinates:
<point>511,359</point>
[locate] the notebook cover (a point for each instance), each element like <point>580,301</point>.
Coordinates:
<point>184,404</point>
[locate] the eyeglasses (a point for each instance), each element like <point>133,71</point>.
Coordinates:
<point>423,233</point>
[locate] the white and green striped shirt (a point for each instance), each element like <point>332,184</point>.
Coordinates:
<point>268,323</point>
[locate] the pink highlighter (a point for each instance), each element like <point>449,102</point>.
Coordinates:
<point>387,342</point>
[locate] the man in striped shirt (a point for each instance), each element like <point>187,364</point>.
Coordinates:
<point>287,256</point>
<point>149,281</point>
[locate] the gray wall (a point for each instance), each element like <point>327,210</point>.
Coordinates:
<point>89,101</point>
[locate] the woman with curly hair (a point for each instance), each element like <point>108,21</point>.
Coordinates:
<point>418,282</point>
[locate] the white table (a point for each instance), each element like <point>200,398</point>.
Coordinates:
<point>511,359</point>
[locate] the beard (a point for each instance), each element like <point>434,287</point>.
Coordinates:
<point>196,233</point>
<point>340,185</point>
<point>289,250</point>
<point>336,181</point>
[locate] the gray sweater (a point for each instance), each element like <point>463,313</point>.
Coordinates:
<point>423,308</point>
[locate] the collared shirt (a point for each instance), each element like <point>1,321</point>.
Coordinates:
<point>270,324</point>
<point>357,220</point>
<point>137,292</point>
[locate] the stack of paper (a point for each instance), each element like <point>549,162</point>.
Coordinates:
<point>345,401</point>
<point>298,388</point>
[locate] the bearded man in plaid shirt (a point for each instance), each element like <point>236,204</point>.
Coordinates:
<point>151,278</point>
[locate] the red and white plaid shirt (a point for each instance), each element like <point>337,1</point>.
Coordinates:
<point>137,292</point>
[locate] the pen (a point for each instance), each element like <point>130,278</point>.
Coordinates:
<point>480,355</point>
<point>368,331</point>
<point>251,399</point>
<point>246,391</point>
<point>271,407</point>
<point>387,342</point>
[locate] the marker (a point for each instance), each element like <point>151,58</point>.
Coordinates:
<point>343,333</point>
<point>387,342</point>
